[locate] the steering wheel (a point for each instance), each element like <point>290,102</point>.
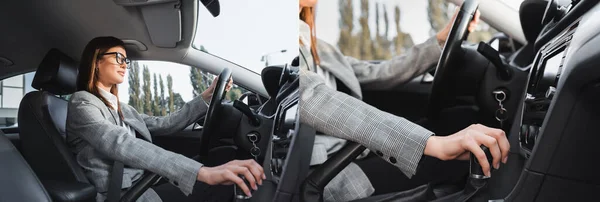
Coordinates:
<point>211,122</point>
<point>442,84</point>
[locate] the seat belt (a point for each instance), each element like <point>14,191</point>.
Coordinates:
<point>116,176</point>
<point>115,183</point>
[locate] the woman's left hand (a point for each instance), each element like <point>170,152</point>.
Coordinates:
<point>208,93</point>
<point>443,34</point>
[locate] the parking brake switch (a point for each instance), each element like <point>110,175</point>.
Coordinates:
<point>493,56</point>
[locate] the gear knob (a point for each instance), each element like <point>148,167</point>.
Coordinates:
<point>475,168</point>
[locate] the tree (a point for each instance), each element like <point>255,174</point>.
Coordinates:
<point>197,77</point>
<point>177,102</point>
<point>381,45</point>
<point>147,92</point>
<point>163,107</point>
<point>437,12</point>
<point>365,33</point>
<point>402,40</point>
<point>156,101</point>
<point>134,87</point>
<point>171,94</point>
<point>347,41</point>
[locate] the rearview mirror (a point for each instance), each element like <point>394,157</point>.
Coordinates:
<point>213,7</point>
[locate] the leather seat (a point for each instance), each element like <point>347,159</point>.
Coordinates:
<point>19,182</point>
<point>42,120</point>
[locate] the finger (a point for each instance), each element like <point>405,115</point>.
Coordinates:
<point>474,148</point>
<point>248,175</point>
<point>500,137</point>
<point>473,24</point>
<point>492,145</point>
<point>230,176</point>
<point>255,168</point>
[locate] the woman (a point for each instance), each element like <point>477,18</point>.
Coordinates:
<point>101,130</point>
<point>330,102</point>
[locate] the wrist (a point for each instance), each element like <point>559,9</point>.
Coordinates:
<point>432,146</point>
<point>202,174</point>
<point>441,39</point>
<point>205,96</point>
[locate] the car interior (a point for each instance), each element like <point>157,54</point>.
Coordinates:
<point>537,80</point>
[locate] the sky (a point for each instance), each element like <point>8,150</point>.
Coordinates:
<point>242,33</point>
<point>246,30</point>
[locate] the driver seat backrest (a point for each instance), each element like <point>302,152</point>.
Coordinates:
<point>42,120</point>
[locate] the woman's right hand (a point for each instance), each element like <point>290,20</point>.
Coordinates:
<point>459,146</point>
<point>227,174</point>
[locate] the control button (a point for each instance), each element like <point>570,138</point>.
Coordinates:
<point>379,153</point>
<point>550,92</point>
<point>393,160</point>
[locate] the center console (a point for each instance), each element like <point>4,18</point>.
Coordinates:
<point>543,82</point>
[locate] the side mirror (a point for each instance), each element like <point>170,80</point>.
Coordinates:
<point>213,7</point>
<point>502,43</point>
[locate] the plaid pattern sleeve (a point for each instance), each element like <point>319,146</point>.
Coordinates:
<point>398,141</point>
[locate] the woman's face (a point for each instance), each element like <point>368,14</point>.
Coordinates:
<point>307,3</point>
<point>112,66</point>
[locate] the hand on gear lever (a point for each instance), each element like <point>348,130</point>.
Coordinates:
<point>476,171</point>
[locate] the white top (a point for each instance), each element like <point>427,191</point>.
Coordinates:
<point>304,33</point>
<point>112,99</point>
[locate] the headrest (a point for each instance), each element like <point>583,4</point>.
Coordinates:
<point>56,74</point>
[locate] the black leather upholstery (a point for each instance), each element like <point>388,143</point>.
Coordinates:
<point>17,181</point>
<point>56,74</point>
<point>71,191</point>
<point>42,119</point>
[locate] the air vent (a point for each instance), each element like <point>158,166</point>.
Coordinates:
<point>5,62</point>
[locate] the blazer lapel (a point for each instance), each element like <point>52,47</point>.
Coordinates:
<point>137,125</point>
<point>341,71</point>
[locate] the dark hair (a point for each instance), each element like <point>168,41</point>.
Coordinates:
<point>87,79</point>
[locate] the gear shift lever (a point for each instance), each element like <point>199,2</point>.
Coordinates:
<point>475,168</point>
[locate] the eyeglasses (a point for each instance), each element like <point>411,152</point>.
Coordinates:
<point>121,59</point>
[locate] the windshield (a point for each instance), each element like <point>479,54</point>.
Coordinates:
<point>249,33</point>
<point>515,4</point>
<point>381,29</point>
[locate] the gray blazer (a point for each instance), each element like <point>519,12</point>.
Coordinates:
<point>97,140</point>
<point>345,116</point>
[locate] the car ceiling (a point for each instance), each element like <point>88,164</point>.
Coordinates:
<point>30,28</point>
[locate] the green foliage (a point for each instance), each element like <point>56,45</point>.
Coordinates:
<point>147,92</point>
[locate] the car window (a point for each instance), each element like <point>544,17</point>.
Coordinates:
<point>159,88</point>
<point>12,91</point>
<point>249,33</point>
<point>380,29</point>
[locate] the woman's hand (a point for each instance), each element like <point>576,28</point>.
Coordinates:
<point>207,94</point>
<point>442,36</point>
<point>458,146</point>
<point>227,174</point>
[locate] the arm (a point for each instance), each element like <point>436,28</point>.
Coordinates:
<point>87,121</point>
<point>334,113</point>
<point>191,112</point>
<point>398,70</point>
